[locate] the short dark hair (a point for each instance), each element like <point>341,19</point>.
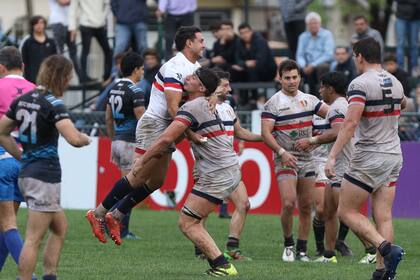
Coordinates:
<point>226,22</point>
<point>390,57</point>
<point>214,26</point>
<point>360,17</point>
<point>10,58</point>
<point>343,47</point>
<point>151,52</point>
<point>222,74</point>
<point>129,62</point>
<point>369,49</point>
<point>244,25</point>
<point>288,65</point>
<point>34,20</point>
<point>209,79</point>
<point>336,80</point>
<point>183,34</point>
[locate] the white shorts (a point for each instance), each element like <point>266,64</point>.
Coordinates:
<point>122,154</point>
<point>372,170</point>
<point>39,195</point>
<point>148,131</point>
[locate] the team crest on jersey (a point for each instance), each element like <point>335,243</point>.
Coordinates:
<point>293,134</point>
<point>304,103</point>
<point>179,76</point>
<point>284,109</point>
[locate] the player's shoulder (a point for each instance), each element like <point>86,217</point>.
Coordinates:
<point>135,89</point>
<point>52,100</point>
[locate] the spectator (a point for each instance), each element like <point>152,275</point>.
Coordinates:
<point>408,25</point>
<point>177,13</point>
<point>131,17</point>
<point>417,98</point>
<point>224,48</point>
<point>363,31</point>
<point>315,51</point>
<point>254,61</point>
<point>100,104</point>
<point>151,68</point>
<point>36,47</point>
<point>91,15</point>
<point>293,13</point>
<point>390,65</point>
<point>344,63</point>
<point>58,22</point>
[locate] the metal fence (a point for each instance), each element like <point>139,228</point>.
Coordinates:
<point>93,123</point>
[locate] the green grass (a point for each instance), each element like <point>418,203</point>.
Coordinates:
<point>164,253</point>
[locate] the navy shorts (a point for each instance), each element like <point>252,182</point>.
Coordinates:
<point>9,173</point>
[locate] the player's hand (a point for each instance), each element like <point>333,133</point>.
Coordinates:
<point>329,168</point>
<point>241,147</point>
<point>197,138</point>
<point>86,140</point>
<point>73,35</point>
<point>303,145</point>
<point>289,160</point>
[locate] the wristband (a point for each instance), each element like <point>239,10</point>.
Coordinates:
<point>313,140</point>
<point>281,151</point>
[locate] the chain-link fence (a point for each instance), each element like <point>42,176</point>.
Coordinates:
<point>93,123</point>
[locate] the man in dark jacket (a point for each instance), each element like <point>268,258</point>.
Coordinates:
<point>343,62</point>
<point>408,27</point>
<point>254,61</point>
<point>131,17</point>
<point>390,65</point>
<point>223,55</point>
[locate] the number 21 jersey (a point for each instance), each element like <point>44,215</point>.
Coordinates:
<point>36,114</point>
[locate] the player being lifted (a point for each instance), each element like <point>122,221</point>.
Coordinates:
<point>287,117</point>
<point>375,101</point>
<point>166,95</point>
<point>239,196</point>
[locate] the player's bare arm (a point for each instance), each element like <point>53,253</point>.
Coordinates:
<point>6,140</point>
<point>349,126</point>
<point>109,121</point>
<point>173,98</point>
<point>287,158</point>
<point>245,134</point>
<point>322,112</point>
<point>170,135</point>
<point>139,111</point>
<point>71,134</point>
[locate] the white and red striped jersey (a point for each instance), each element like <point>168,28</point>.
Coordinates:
<point>228,117</point>
<point>293,119</point>
<point>171,76</point>
<point>319,125</point>
<point>381,94</point>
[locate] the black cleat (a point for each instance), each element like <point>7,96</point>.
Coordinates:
<point>378,274</point>
<point>391,262</point>
<point>343,248</point>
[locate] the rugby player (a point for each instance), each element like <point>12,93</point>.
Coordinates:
<point>287,117</point>
<point>125,106</point>
<point>12,85</point>
<point>41,116</point>
<point>375,101</point>
<point>166,95</point>
<point>239,196</point>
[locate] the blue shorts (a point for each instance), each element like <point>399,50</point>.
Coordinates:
<point>9,173</point>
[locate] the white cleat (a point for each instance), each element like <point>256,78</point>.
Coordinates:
<point>288,254</point>
<point>303,257</point>
<point>368,259</point>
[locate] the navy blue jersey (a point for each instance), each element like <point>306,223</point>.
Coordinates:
<point>123,97</point>
<point>36,114</point>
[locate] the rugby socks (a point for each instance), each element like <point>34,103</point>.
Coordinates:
<point>342,232</point>
<point>49,277</point>
<point>133,198</point>
<point>385,248</point>
<point>232,243</point>
<point>13,243</point>
<point>319,230</point>
<point>121,188</point>
<point>125,222</point>
<point>370,250</point>
<point>3,251</point>
<point>301,245</point>
<point>288,241</point>
<point>219,261</point>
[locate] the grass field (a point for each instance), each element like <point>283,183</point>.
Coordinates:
<point>164,253</point>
